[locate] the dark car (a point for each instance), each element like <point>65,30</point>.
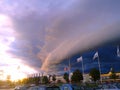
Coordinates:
<point>53,88</point>
<point>44,88</point>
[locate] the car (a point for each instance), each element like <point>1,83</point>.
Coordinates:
<point>109,87</point>
<point>118,85</point>
<point>17,88</point>
<point>70,87</point>
<point>21,88</point>
<point>53,88</point>
<point>44,88</point>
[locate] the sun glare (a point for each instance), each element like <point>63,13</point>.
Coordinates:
<point>16,72</point>
<point>14,75</point>
<point>6,38</point>
<point>11,68</point>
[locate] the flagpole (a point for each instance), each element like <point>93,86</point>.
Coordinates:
<point>83,70</point>
<point>99,69</point>
<point>69,69</point>
<point>80,59</point>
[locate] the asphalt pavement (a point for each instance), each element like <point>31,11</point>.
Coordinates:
<point>7,89</point>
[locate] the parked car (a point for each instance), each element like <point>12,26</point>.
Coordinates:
<point>70,87</point>
<point>17,88</point>
<point>21,88</point>
<point>44,88</point>
<point>108,87</point>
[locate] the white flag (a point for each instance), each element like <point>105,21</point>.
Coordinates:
<point>118,51</point>
<point>95,55</point>
<point>79,59</point>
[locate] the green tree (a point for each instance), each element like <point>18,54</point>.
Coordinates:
<point>8,77</point>
<point>54,78</point>
<point>45,80</point>
<point>95,74</point>
<point>37,80</point>
<point>66,77</point>
<point>77,76</point>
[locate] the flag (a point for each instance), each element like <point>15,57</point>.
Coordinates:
<point>118,51</point>
<point>95,56</point>
<point>66,69</point>
<point>79,59</point>
<point>111,69</point>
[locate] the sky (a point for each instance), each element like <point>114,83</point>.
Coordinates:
<point>40,35</point>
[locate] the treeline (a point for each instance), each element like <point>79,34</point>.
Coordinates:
<point>76,77</point>
<point>38,80</point>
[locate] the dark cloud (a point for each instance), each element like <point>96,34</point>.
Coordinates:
<point>107,55</point>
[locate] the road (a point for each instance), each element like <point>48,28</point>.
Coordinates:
<point>6,89</point>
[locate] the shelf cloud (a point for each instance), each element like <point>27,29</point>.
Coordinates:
<point>46,32</point>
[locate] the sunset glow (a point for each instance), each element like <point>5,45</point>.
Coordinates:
<point>17,72</point>
<point>39,35</point>
<point>9,63</point>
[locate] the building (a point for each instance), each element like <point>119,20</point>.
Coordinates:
<point>106,77</point>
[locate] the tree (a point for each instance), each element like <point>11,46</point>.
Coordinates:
<point>77,76</point>
<point>45,80</point>
<point>95,74</point>
<point>8,79</point>
<point>37,80</point>
<point>113,75</point>
<point>54,78</point>
<point>66,77</point>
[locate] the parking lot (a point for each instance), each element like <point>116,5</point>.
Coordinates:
<point>7,89</point>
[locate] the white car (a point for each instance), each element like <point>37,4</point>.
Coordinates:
<point>17,88</point>
<point>70,87</point>
<point>20,88</point>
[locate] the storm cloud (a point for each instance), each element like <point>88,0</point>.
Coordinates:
<point>46,31</point>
